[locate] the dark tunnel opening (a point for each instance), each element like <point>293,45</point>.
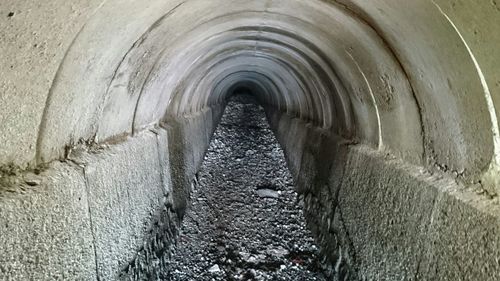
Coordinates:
<point>242,91</point>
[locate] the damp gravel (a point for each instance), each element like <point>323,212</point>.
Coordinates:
<point>244,221</point>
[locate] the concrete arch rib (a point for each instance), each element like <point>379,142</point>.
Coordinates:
<point>153,68</point>
<point>387,111</point>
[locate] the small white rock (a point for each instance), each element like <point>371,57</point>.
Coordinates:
<point>215,268</point>
<point>267,193</point>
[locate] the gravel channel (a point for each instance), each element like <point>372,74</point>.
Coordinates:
<point>244,221</point>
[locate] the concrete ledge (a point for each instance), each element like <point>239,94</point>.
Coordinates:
<point>45,230</point>
<point>125,189</point>
<point>90,217</point>
<point>398,222</point>
<point>285,127</point>
<point>152,256</point>
<point>379,218</point>
<point>188,139</point>
<point>384,213</point>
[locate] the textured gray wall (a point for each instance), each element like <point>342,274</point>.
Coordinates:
<point>372,100</point>
<point>89,216</point>
<point>45,231</point>
<point>379,218</point>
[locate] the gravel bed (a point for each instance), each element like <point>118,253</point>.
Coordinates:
<point>244,221</point>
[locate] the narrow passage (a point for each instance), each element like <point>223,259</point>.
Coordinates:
<point>244,222</point>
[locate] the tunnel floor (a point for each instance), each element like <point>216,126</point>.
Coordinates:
<point>244,222</point>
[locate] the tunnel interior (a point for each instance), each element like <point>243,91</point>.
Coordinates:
<point>244,220</point>
<point>386,112</point>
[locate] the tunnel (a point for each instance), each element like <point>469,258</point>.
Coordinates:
<point>386,112</point>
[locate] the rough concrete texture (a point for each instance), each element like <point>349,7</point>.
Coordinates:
<point>181,146</point>
<point>152,258</point>
<point>123,64</point>
<point>164,158</point>
<point>405,224</point>
<point>153,254</point>
<point>379,218</point>
<point>34,40</point>
<point>45,229</point>
<point>453,118</point>
<point>88,218</point>
<point>188,139</point>
<point>125,189</point>
<point>418,79</point>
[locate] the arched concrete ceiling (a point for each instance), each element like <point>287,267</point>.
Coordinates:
<point>407,76</point>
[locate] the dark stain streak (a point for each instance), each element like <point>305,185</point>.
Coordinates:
<point>156,24</point>
<point>369,22</point>
<point>49,101</point>
<point>138,43</point>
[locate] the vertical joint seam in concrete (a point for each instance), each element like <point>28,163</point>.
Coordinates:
<point>160,163</point>
<point>354,265</point>
<point>94,246</point>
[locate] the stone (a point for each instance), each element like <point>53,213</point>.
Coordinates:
<point>278,252</point>
<point>32,181</point>
<point>267,193</point>
<point>214,269</point>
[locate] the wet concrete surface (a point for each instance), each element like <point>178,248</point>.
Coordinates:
<point>244,221</point>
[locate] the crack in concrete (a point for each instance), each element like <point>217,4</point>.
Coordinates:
<point>429,225</point>
<point>134,46</point>
<point>350,242</point>
<point>141,92</point>
<point>376,29</point>
<point>49,100</point>
<point>92,230</point>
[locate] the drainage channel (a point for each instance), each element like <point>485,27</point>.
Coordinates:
<point>244,221</point>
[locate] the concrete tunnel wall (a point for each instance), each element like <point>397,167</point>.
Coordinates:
<point>387,111</point>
